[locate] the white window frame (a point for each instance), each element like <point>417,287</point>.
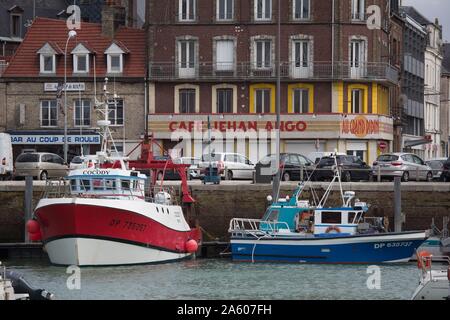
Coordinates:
<point>82,113</point>
<point>228,66</point>
<point>188,8</point>
<point>114,123</point>
<point>42,63</point>
<point>294,10</point>
<point>263,11</point>
<point>75,63</point>
<point>188,71</point>
<point>358,15</point>
<point>264,65</point>
<point>49,113</point>
<point>109,56</point>
<point>218,18</point>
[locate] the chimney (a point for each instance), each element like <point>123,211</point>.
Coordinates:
<point>113,16</point>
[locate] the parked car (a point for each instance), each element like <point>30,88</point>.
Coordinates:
<point>352,169</point>
<point>193,170</point>
<point>405,165</point>
<point>40,165</point>
<point>316,156</point>
<point>230,165</point>
<point>6,157</point>
<point>291,165</point>
<point>438,167</point>
<point>79,162</point>
<point>446,171</point>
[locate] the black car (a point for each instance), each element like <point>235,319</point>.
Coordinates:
<point>352,169</point>
<point>291,166</point>
<point>446,171</point>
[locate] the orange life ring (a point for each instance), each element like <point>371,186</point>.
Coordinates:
<point>333,228</point>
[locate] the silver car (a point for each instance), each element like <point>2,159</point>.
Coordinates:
<point>408,166</point>
<point>40,165</point>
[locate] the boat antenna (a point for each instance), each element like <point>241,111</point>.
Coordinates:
<point>276,178</point>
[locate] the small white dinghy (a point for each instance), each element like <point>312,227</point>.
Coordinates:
<point>435,278</point>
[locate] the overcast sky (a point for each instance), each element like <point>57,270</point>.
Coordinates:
<point>432,9</point>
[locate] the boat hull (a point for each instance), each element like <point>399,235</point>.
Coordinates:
<point>367,249</point>
<point>87,232</point>
<point>100,252</point>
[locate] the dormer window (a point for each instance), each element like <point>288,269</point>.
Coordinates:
<point>47,58</point>
<point>16,13</point>
<point>114,58</point>
<point>80,59</point>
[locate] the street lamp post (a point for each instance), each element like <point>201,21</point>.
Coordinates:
<point>72,33</point>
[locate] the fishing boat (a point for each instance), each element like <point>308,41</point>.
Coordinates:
<point>293,230</point>
<point>107,213</point>
<point>434,281</point>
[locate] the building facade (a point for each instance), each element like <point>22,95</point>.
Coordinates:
<point>32,93</point>
<point>445,100</point>
<point>413,82</point>
<point>433,70</point>
<point>216,59</point>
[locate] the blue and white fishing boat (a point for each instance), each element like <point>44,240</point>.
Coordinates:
<point>292,230</point>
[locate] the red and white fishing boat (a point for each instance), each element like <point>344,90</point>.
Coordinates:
<point>101,215</point>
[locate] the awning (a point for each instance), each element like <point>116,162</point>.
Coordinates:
<point>418,142</point>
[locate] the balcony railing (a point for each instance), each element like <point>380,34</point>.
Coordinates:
<point>208,71</point>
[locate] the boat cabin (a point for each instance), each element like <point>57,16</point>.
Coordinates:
<point>332,221</point>
<point>107,183</point>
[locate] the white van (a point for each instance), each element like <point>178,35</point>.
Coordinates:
<point>6,157</point>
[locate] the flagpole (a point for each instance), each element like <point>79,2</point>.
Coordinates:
<point>276,179</point>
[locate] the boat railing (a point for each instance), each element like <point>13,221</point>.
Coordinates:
<point>256,227</point>
<point>57,189</point>
<point>425,263</point>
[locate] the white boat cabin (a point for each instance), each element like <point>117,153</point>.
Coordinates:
<point>331,221</point>
<point>107,183</point>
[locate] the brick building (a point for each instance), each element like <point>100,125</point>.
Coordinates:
<point>218,57</point>
<point>32,95</point>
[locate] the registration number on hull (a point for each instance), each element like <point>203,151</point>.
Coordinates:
<point>404,244</point>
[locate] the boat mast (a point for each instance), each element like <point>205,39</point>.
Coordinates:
<point>276,179</point>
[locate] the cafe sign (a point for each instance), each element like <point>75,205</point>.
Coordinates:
<point>70,86</point>
<point>243,126</point>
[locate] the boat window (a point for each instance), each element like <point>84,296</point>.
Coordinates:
<point>99,184</point>
<point>125,184</point>
<point>351,217</point>
<point>85,185</point>
<point>331,217</point>
<point>73,184</point>
<point>273,215</point>
<point>110,184</point>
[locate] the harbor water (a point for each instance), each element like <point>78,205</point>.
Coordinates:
<point>223,279</point>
